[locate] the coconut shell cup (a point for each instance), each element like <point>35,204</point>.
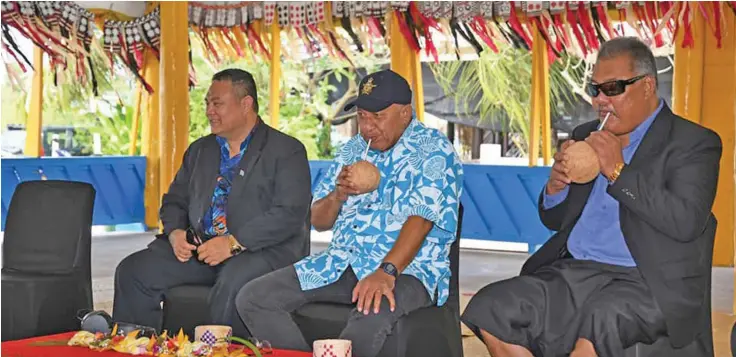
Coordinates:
<point>582,162</point>
<point>366,176</point>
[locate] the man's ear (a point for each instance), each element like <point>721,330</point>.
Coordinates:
<point>406,111</point>
<point>246,103</point>
<point>651,87</point>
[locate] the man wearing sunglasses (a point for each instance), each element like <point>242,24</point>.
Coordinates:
<point>237,209</point>
<point>630,262</point>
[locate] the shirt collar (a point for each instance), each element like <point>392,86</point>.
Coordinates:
<point>225,146</point>
<point>642,128</point>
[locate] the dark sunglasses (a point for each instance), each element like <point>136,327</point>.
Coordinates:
<point>611,88</point>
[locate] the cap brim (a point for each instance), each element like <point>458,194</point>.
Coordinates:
<point>367,103</point>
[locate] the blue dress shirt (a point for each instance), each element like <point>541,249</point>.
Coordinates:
<point>597,235</point>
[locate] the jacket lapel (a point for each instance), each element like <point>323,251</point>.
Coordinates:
<point>655,139</point>
<point>251,157</point>
<point>209,166</point>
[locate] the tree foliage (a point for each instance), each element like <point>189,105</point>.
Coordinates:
<point>498,86</point>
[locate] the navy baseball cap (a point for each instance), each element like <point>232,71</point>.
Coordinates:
<point>377,91</point>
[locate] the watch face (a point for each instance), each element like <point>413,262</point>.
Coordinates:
<point>389,269</point>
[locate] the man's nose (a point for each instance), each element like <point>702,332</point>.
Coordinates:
<point>601,101</point>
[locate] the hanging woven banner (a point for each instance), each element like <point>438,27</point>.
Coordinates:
<point>128,40</point>
<point>230,30</point>
<point>63,30</point>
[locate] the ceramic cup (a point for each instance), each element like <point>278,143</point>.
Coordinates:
<point>213,335</point>
<point>332,348</point>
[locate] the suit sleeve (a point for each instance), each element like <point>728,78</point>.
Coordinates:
<point>175,203</point>
<point>552,216</point>
<point>681,206</point>
<point>288,212</point>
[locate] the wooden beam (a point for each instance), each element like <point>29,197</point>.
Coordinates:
<point>34,123</point>
<point>405,62</point>
<point>174,91</point>
<point>275,71</point>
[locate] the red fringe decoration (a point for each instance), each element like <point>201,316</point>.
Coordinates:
<point>406,31</point>
<point>479,26</point>
<point>604,19</point>
<point>717,19</point>
<point>560,30</point>
<point>572,20</point>
<point>516,26</point>
<point>587,25</point>
<point>687,40</point>
<point>651,21</point>
<point>426,23</point>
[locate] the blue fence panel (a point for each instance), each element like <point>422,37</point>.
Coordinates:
<point>500,201</point>
<point>119,181</point>
<point>500,204</point>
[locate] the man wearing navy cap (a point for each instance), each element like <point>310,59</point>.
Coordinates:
<point>390,249</point>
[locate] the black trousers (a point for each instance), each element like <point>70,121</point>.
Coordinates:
<point>266,305</point>
<point>549,310</point>
<point>142,278</point>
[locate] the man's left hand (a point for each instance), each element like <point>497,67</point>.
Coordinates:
<point>215,250</point>
<point>608,148</point>
<point>372,289</point>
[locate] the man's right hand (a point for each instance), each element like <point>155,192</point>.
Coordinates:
<point>182,248</point>
<point>345,186</point>
<point>559,178</point>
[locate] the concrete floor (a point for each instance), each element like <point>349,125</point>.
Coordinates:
<point>477,269</point>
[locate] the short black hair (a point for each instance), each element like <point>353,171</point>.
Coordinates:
<point>242,81</point>
<point>642,58</point>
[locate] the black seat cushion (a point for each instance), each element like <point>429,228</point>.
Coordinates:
<point>185,307</point>
<point>424,332</point>
<point>37,305</point>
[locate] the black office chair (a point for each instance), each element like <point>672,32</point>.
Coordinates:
<point>46,274</point>
<point>703,343</point>
<point>431,331</point>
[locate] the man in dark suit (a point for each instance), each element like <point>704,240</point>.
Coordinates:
<point>246,211</point>
<point>631,258</point>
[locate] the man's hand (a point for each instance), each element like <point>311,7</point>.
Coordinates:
<point>182,249</point>
<point>345,186</point>
<point>215,250</point>
<point>608,148</point>
<point>559,178</point>
<point>371,289</point>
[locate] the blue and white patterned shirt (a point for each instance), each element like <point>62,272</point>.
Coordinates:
<point>420,176</point>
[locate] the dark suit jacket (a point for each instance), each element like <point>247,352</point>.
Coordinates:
<point>665,197</point>
<point>268,207</point>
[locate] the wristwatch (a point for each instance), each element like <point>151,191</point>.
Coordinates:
<point>390,269</point>
<point>235,247</point>
<point>616,173</point>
